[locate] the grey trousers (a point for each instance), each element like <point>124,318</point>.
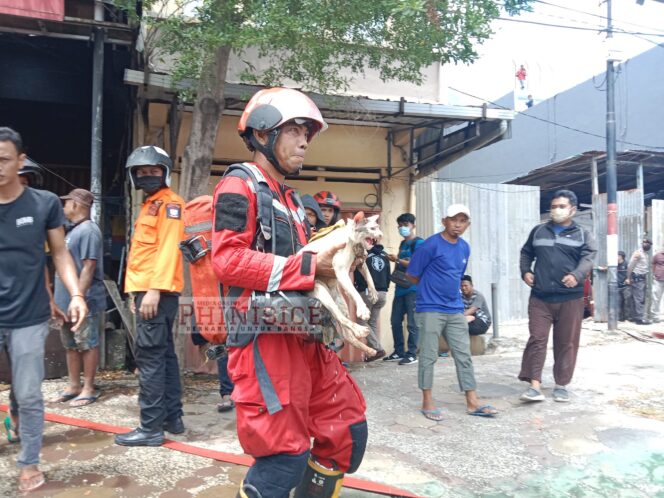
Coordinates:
<point>372,338</point>
<point>26,350</point>
<point>639,297</point>
<point>454,329</point>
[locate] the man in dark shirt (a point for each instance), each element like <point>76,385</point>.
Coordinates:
<point>379,269</point>
<point>563,253</point>
<point>625,291</point>
<point>476,310</point>
<point>28,218</point>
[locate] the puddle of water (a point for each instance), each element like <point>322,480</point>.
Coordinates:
<point>634,471</point>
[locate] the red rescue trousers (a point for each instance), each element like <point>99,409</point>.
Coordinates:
<point>319,399</point>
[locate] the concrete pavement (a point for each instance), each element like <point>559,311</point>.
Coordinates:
<point>609,441</point>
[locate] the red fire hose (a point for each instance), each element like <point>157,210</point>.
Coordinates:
<point>349,482</point>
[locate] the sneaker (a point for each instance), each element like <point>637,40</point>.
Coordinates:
<point>560,395</point>
<point>379,354</point>
<point>408,360</point>
<point>532,395</point>
<point>393,357</point>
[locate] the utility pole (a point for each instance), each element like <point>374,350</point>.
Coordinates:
<point>97,114</point>
<point>611,182</point>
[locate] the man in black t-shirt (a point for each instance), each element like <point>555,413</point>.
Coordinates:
<point>29,218</point>
<point>378,264</point>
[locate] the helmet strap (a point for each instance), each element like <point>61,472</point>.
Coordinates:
<point>268,150</point>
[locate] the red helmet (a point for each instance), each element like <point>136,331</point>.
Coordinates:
<point>327,198</point>
<point>270,108</point>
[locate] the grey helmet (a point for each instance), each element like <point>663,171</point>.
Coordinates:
<point>32,168</point>
<point>149,155</point>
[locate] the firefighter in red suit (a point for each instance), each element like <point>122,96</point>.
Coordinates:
<point>289,388</point>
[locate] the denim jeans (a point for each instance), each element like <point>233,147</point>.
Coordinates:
<point>26,350</point>
<point>404,305</point>
<point>225,383</point>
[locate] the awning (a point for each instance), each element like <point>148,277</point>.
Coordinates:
<point>457,130</point>
<point>575,174</point>
<point>53,10</point>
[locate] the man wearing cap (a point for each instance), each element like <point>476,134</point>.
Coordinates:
<point>437,268</point>
<point>84,241</point>
<point>563,253</point>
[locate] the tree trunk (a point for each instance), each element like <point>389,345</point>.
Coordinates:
<point>199,152</point>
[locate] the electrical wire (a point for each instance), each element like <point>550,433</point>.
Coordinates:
<point>580,28</point>
<point>571,128</point>
<point>613,20</point>
<point>54,173</point>
<point>601,28</point>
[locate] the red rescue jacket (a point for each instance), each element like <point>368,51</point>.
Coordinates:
<point>236,237</point>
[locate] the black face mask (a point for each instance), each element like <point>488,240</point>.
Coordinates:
<point>150,184</point>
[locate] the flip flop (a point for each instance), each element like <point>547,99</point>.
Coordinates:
<point>27,484</point>
<point>480,412</point>
<point>436,415</point>
<point>12,432</point>
<point>87,400</point>
<point>63,397</point>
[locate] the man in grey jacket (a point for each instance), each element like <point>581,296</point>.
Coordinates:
<point>563,253</point>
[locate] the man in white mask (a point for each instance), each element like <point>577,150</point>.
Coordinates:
<point>563,253</point>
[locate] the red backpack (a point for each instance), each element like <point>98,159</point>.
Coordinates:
<point>196,248</point>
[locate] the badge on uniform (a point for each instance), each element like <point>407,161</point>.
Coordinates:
<point>153,210</point>
<point>173,211</point>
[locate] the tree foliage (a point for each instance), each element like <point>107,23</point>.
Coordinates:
<point>316,42</point>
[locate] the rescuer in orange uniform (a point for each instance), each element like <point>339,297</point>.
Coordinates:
<point>289,387</point>
<point>155,279</point>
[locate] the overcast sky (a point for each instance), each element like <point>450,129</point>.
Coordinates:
<point>555,58</point>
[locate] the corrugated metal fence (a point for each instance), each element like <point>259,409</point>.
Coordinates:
<point>630,233</point>
<point>657,225</point>
<point>502,217</point>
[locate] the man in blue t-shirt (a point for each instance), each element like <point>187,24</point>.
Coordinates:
<point>404,296</point>
<point>437,268</point>
<point>85,243</point>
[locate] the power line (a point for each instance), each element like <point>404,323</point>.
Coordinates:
<point>570,9</point>
<point>53,173</point>
<point>601,28</point>
<point>580,28</point>
<point>571,128</point>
